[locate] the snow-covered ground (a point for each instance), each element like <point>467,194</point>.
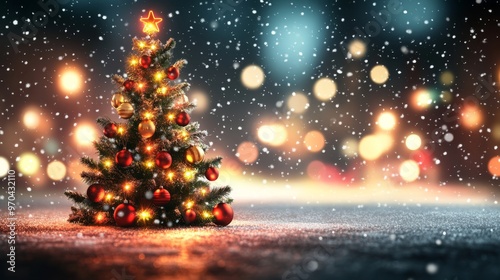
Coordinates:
<point>350,241</point>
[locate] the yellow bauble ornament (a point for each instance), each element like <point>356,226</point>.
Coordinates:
<point>194,154</point>
<point>117,100</point>
<point>147,128</point>
<point>125,110</point>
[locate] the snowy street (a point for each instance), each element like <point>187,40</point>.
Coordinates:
<point>270,242</point>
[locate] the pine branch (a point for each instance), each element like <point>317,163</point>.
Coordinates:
<point>75,196</point>
<point>205,164</point>
<point>217,194</point>
<point>81,216</point>
<point>118,79</point>
<point>179,88</point>
<point>90,162</point>
<point>103,121</point>
<point>169,45</point>
<point>164,55</point>
<point>105,147</point>
<point>90,177</point>
<point>179,64</point>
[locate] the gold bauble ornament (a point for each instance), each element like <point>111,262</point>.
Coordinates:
<point>194,154</point>
<point>125,110</point>
<point>147,128</point>
<point>117,100</point>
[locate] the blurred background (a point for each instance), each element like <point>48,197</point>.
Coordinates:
<point>307,101</point>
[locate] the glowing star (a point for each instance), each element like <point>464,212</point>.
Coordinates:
<point>144,215</point>
<point>151,23</point>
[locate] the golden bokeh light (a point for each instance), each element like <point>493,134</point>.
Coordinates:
<point>274,134</point>
<point>471,117</point>
<point>350,147</point>
<point>247,152</point>
<point>413,142</point>
<point>421,99</point>
<point>314,141</point>
<point>85,134</point>
<point>373,146</point>
<point>495,131</point>
<point>409,170</point>
<point>201,101</point>
<point>357,48</point>
<point>28,163</point>
<point>252,76</point>
<point>70,81</point>
<point>75,168</point>
<point>325,89</point>
<point>56,170</point>
<point>494,166</point>
<point>446,96</point>
<point>386,121</point>
<point>4,167</point>
<point>314,169</point>
<point>447,78</point>
<point>297,103</point>
<point>379,74</point>
<point>31,119</point>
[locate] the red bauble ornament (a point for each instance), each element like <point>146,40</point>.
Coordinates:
<point>129,85</point>
<point>163,160</point>
<point>161,197</point>
<point>212,173</point>
<point>110,130</point>
<point>145,61</point>
<point>223,214</point>
<point>124,215</point>
<point>95,193</point>
<point>123,158</point>
<point>189,216</point>
<point>173,72</point>
<point>182,119</point>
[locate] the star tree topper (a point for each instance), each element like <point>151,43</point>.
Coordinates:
<point>151,23</point>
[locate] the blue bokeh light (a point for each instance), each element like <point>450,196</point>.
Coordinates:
<point>291,39</point>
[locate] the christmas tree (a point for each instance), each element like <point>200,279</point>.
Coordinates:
<point>151,169</point>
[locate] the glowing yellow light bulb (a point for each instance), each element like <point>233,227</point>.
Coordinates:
<point>99,217</point>
<point>121,130</point>
<point>203,191</point>
<point>206,214</point>
<point>153,47</point>
<point>171,117</point>
<point>184,134</point>
<point>144,215</point>
<point>170,176</point>
<point>133,61</point>
<point>109,196</point>
<point>163,90</point>
<point>189,204</point>
<point>189,175</point>
<point>108,163</point>
<point>149,148</point>
<point>127,187</point>
<point>140,86</point>
<point>142,44</point>
<point>149,164</point>
<point>158,76</point>
<point>148,115</point>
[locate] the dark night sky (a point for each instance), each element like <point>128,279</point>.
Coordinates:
<point>416,45</point>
